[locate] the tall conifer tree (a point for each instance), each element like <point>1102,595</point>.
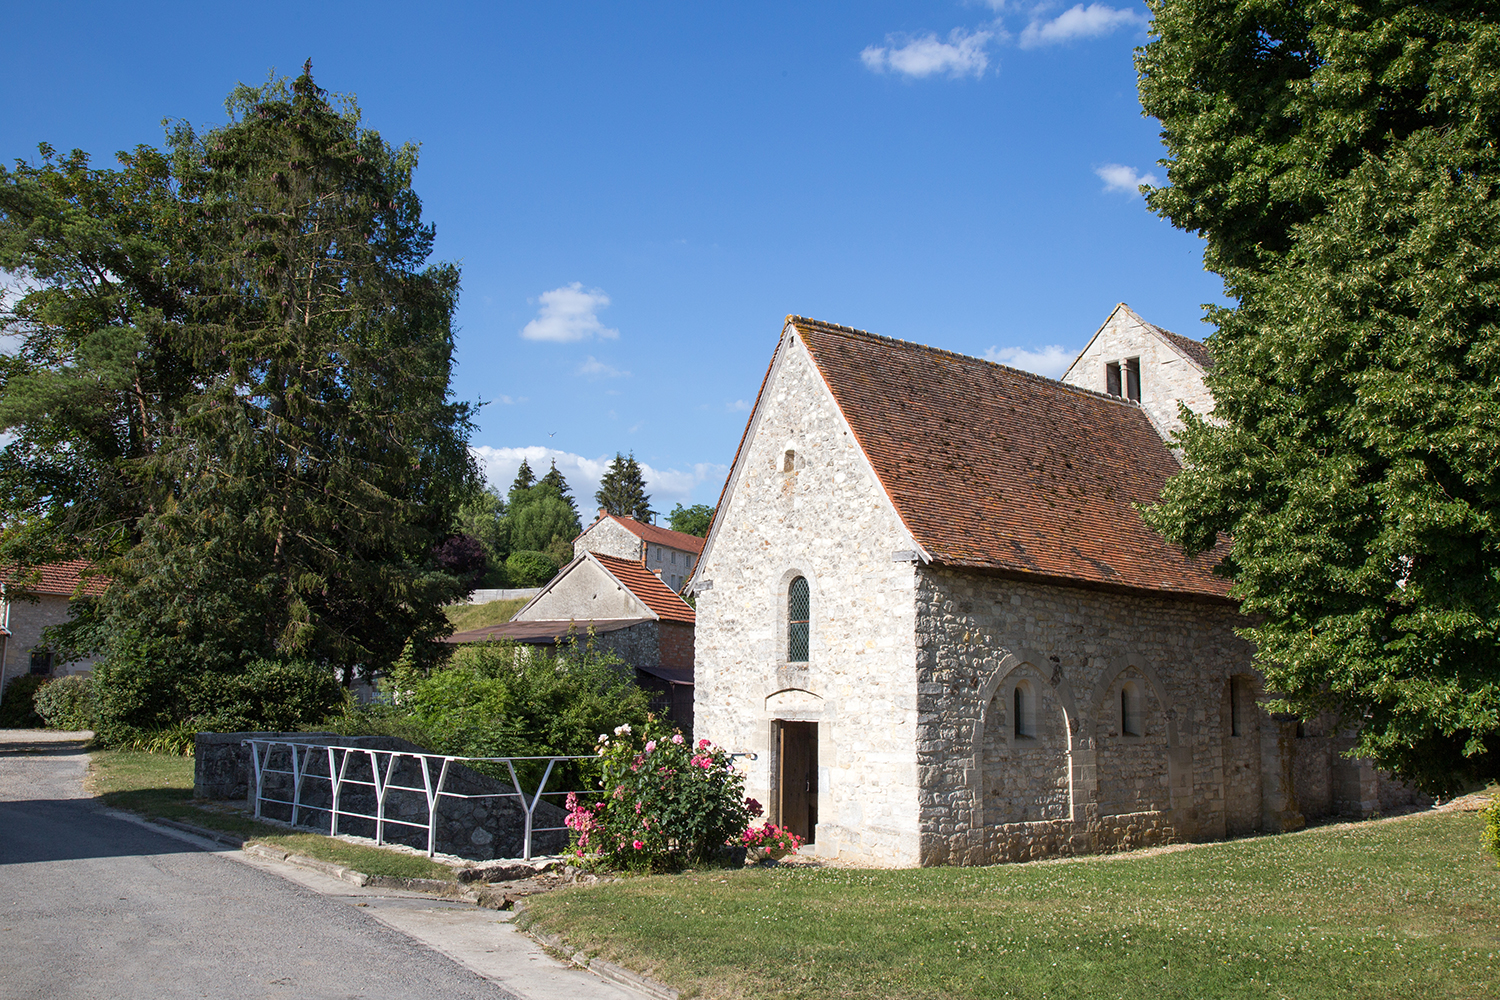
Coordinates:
<point>622,491</point>
<point>277,454</point>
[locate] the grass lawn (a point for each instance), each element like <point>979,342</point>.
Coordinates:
<point>1408,908</point>
<point>161,785</point>
<point>467,616</point>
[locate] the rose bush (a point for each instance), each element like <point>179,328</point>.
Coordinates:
<point>771,841</point>
<point>664,803</point>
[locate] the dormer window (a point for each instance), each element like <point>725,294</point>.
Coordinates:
<point>1123,378</point>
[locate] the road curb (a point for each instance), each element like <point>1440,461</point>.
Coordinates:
<point>303,861</point>
<point>605,970</point>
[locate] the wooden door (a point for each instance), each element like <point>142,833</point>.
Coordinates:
<point>797,782</point>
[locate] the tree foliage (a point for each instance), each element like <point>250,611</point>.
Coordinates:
<point>622,490</point>
<point>1340,162</point>
<point>232,389</point>
<point>694,520</point>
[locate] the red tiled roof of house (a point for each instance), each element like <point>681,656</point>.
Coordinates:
<point>648,587</point>
<point>679,540</point>
<point>60,579</point>
<point>1194,349</point>
<point>995,468</point>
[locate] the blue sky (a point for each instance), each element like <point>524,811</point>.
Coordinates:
<point>639,193</point>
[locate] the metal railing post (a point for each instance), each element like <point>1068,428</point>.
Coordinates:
<point>255,765</point>
<point>296,781</point>
<point>432,801</point>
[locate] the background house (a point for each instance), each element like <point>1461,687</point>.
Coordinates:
<point>930,609</point>
<point>669,554</point>
<point>630,611</point>
<point>22,619</point>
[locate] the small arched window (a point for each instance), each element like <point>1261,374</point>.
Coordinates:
<point>1240,700</point>
<point>1025,711</point>
<point>798,615</point>
<point>1130,710</point>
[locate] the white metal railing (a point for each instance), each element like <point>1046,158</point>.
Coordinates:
<point>307,763</point>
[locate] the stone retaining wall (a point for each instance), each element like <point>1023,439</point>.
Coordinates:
<point>476,828</point>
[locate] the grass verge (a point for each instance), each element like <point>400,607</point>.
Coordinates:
<point>161,786</point>
<point>467,616</point>
<point>1405,908</point>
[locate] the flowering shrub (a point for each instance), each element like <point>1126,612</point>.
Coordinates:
<point>666,803</point>
<point>776,842</point>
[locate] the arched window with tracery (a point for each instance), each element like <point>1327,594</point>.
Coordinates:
<point>798,617</point>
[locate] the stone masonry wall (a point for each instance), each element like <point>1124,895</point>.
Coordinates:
<point>978,636</point>
<point>827,519</point>
<point>608,537</point>
<point>1166,376</point>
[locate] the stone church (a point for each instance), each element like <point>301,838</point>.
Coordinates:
<point>931,613</point>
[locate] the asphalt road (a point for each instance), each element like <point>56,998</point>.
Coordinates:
<point>96,906</point>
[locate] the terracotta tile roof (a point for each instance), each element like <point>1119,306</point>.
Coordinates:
<point>1194,349</point>
<point>544,632</point>
<point>679,540</point>
<point>995,468</point>
<point>60,579</point>
<point>646,585</point>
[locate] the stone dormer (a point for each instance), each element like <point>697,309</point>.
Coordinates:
<point>1141,362</point>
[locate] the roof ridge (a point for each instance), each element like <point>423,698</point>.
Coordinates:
<point>1058,383</point>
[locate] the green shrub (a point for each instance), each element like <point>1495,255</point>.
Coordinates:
<point>145,690</point>
<point>68,702</point>
<point>497,700</point>
<point>666,803</point>
<point>529,568</point>
<point>1490,836</point>
<point>267,695</point>
<point>18,705</point>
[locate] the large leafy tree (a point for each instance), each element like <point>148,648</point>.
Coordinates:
<point>232,389</point>
<point>694,520</point>
<point>1340,161</point>
<point>622,490</point>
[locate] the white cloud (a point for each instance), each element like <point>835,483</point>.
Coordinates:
<point>1050,361</point>
<point>666,487</point>
<point>738,406</point>
<point>507,400</point>
<point>594,368</point>
<point>1078,21</point>
<point>1123,179</point>
<point>568,314</point>
<point>961,55</point>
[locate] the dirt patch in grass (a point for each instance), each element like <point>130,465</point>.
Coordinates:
<point>1400,908</point>
<point>161,786</point>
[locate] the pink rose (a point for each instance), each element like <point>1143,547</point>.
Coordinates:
<point>677,739</point>
<point>650,745</point>
<point>638,845</point>
<point>704,743</point>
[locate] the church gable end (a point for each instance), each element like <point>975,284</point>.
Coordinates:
<point>805,642</point>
